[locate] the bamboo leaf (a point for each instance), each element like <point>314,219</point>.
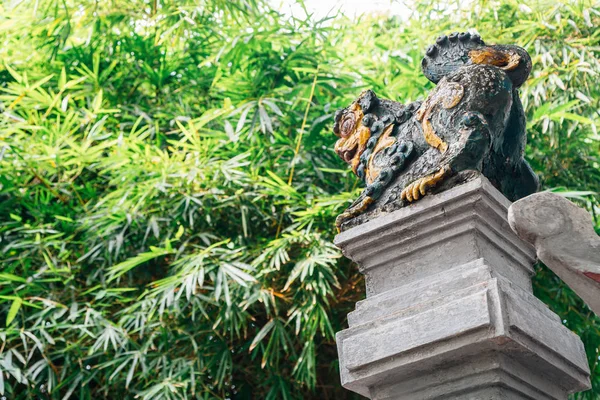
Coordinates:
<point>264,331</point>
<point>13,310</point>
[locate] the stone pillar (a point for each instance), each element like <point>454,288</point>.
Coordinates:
<point>449,312</point>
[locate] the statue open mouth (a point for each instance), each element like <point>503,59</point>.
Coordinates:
<point>353,135</point>
<point>349,154</point>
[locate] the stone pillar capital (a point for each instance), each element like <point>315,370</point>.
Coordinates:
<point>449,312</point>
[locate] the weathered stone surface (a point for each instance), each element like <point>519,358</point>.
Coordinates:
<point>454,227</point>
<point>472,120</point>
<point>450,312</point>
<point>564,239</point>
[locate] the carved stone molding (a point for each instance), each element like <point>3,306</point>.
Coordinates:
<point>564,239</point>
<point>449,312</point>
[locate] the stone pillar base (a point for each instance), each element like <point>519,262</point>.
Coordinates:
<point>450,312</point>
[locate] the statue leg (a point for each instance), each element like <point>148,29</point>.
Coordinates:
<point>394,160</point>
<point>464,118</point>
<point>519,181</point>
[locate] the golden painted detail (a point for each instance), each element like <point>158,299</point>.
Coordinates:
<point>353,211</point>
<point>364,134</point>
<point>505,60</point>
<point>353,137</point>
<point>448,94</point>
<point>418,188</point>
<point>372,170</point>
<point>432,138</point>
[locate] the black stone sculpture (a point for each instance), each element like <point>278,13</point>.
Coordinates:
<point>472,121</point>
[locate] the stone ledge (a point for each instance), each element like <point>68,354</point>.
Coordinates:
<point>409,299</point>
<point>405,334</point>
<point>420,240</point>
<point>490,375</point>
<point>489,316</point>
<point>455,200</point>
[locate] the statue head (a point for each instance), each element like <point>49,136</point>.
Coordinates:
<point>458,49</point>
<point>353,127</point>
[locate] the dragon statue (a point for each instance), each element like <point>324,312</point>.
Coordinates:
<point>471,122</point>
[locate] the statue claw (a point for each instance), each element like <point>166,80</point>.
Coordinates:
<point>417,189</point>
<point>353,211</point>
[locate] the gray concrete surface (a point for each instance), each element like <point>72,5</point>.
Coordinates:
<point>564,238</point>
<point>449,312</point>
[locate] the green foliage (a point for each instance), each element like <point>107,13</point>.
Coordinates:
<point>168,186</point>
